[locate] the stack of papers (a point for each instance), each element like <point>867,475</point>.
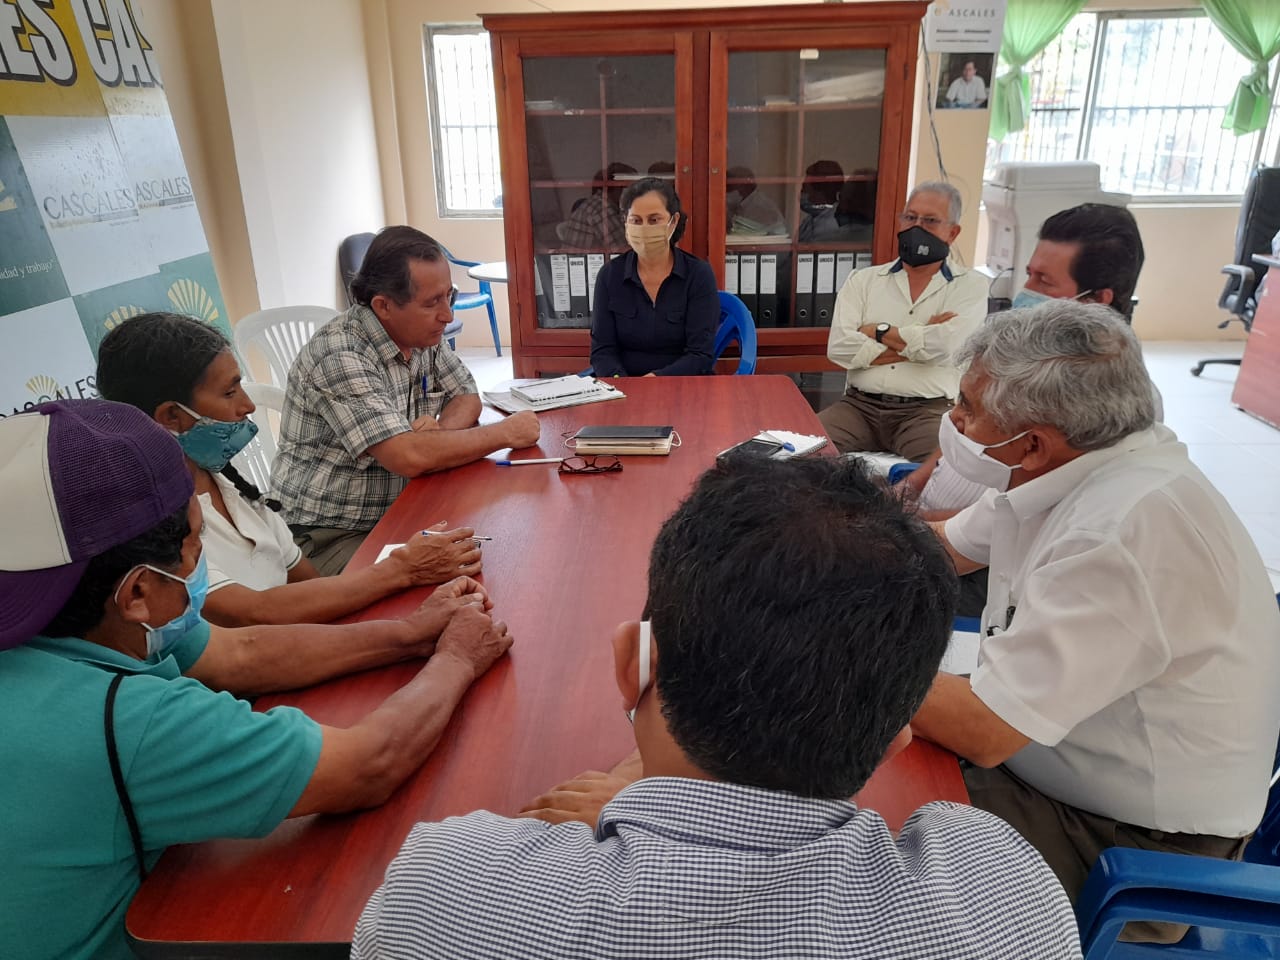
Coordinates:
<point>538,395</point>
<point>803,443</point>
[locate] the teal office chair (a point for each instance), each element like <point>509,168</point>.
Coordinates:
<point>1233,908</point>
<point>476,298</point>
<point>736,326</point>
<point>351,255</point>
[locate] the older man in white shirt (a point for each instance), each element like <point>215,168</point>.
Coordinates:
<point>895,329</point>
<point>1126,692</point>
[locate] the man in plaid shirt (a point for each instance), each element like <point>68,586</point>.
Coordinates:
<point>375,399</point>
<point>795,619</point>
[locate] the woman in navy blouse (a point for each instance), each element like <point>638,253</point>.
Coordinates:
<point>656,308</point>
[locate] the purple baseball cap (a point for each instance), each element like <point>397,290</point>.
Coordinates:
<point>79,477</point>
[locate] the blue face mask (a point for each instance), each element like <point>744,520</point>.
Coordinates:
<point>212,443</point>
<point>1029,298</point>
<point>161,639</point>
<point>1033,298</point>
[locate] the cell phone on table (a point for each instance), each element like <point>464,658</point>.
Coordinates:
<point>755,447</point>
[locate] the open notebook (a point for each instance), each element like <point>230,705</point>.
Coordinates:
<point>538,395</point>
<point>802,443</point>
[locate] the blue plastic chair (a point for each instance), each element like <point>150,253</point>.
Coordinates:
<point>470,299</point>
<point>736,326</point>
<point>1233,908</point>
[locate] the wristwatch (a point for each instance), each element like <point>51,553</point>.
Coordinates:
<point>881,330</point>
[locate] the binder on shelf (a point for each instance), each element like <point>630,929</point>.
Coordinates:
<point>748,277</point>
<point>731,273</point>
<point>542,306</point>
<point>768,291</point>
<point>579,302</point>
<point>595,263</point>
<point>844,267</point>
<point>558,266</point>
<point>824,289</point>
<point>804,290</point>
<point>861,260</point>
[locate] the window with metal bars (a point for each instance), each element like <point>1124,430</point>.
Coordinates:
<point>464,122</point>
<point>1143,95</point>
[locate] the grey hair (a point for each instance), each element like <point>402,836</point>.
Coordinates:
<point>944,190</point>
<point>1065,364</point>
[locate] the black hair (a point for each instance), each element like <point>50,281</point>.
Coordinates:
<point>161,546</point>
<point>1110,255</point>
<point>800,614</point>
<point>669,196</point>
<point>153,358</point>
<point>385,269</point>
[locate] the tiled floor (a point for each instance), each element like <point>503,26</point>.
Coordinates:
<point>1239,454</point>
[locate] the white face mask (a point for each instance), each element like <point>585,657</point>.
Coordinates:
<point>644,668</point>
<point>969,458</point>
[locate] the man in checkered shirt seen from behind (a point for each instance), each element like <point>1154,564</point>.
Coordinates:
<point>796,616</point>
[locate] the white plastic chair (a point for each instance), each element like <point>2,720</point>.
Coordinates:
<point>279,334</point>
<point>254,461</point>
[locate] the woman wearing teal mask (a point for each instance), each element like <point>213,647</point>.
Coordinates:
<point>183,373</point>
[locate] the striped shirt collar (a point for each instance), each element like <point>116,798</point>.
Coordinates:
<point>724,815</point>
<point>379,339</point>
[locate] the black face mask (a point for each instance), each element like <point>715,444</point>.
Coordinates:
<point>917,247</point>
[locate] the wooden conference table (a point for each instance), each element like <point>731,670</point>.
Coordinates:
<point>567,563</point>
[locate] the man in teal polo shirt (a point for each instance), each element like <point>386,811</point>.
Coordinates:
<point>115,742</point>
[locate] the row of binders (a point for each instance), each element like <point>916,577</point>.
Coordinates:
<point>763,282</point>
<point>565,286</point>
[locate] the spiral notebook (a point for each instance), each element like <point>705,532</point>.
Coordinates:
<point>539,395</point>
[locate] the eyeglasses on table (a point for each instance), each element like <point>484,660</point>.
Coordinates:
<point>596,464</point>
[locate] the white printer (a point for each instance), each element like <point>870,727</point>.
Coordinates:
<point>1021,196</point>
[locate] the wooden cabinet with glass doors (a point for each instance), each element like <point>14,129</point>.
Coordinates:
<point>785,129</point>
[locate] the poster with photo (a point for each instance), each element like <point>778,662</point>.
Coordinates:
<point>964,81</point>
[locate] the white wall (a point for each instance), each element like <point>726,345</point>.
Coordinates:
<point>297,91</point>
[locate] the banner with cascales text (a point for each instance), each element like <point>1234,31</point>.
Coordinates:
<point>97,219</point>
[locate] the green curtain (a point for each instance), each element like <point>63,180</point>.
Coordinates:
<point>1253,28</point>
<point>1029,27</point>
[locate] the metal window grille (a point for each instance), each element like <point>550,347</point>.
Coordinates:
<point>464,122</point>
<point>1143,95</point>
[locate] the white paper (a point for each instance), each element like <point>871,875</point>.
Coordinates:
<point>386,551</point>
<point>961,657</point>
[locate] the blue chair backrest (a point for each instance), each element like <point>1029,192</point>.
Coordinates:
<point>737,326</point>
<point>1265,845</point>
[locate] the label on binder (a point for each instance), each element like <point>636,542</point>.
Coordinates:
<point>560,282</point>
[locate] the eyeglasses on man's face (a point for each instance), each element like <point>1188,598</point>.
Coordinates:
<point>911,219</point>
<point>599,464</point>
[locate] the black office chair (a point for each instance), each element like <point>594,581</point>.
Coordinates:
<point>1259,222</point>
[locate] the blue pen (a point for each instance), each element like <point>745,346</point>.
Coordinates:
<point>424,386</point>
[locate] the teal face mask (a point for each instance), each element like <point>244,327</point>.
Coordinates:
<point>212,443</point>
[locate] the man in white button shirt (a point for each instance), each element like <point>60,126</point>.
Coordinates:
<point>1126,690</point>
<point>968,89</point>
<point>895,329</point>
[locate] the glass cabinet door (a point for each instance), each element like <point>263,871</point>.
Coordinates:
<point>593,125</point>
<point>801,163</point>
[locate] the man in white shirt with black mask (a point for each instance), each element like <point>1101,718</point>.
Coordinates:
<point>1126,689</point>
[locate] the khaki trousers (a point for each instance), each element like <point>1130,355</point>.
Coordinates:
<point>328,548</point>
<point>1071,839</point>
<point>864,422</point>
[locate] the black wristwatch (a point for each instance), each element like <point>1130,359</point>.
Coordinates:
<point>881,330</point>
